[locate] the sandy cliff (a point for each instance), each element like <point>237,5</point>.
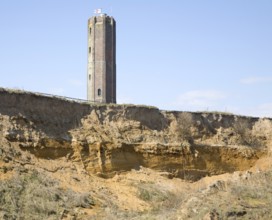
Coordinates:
<point>108,140</point>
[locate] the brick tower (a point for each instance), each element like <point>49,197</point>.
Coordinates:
<point>101,59</point>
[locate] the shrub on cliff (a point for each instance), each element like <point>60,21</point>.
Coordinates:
<point>244,133</point>
<point>184,125</point>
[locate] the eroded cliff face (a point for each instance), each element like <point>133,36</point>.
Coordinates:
<point>105,139</point>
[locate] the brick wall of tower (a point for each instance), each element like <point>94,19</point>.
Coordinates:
<point>101,59</point>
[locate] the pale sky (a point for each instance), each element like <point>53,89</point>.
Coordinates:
<point>188,55</point>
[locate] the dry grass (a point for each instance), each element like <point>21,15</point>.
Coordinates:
<point>33,195</point>
<point>247,198</point>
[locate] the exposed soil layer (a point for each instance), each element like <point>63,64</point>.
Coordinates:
<point>110,138</point>
<point>125,157</point>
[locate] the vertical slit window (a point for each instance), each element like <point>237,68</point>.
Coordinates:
<point>99,92</point>
<point>90,49</point>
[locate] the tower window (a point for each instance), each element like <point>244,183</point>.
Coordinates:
<point>90,31</point>
<point>90,49</point>
<point>90,76</point>
<point>99,92</point>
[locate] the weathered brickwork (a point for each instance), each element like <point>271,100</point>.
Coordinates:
<point>101,76</point>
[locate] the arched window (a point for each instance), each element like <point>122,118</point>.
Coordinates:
<point>99,92</point>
